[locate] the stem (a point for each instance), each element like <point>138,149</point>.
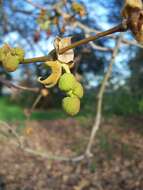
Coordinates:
<point>97,121</point>
<point>16,86</point>
<point>36,59</point>
<point>119,28</point>
<point>52,55</point>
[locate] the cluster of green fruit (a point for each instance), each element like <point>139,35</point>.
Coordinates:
<point>11,57</point>
<point>74,91</point>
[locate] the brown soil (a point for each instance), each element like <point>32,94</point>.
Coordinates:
<point>117,163</point>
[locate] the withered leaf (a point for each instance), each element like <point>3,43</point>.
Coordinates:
<point>133,13</point>
<point>56,70</point>
<point>60,43</point>
<point>129,5</point>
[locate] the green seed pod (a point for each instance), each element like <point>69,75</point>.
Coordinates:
<point>67,82</point>
<point>10,63</point>
<point>20,53</point>
<point>78,90</point>
<point>71,105</point>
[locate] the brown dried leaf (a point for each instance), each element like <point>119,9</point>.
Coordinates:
<point>82,184</point>
<point>133,12</point>
<point>131,4</point>
<point>60,43</point>
<point>52,80</point>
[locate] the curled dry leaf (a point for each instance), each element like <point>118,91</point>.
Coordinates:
<point>133,12</point>
<point>60,43</point>
<point>56,71</point>
<point>129,4</point>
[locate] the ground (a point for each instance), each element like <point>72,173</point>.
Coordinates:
<point>117,163</point>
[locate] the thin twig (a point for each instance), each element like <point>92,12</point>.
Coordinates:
<point>119,28</point>
<point>97,121</point>
<point>89,30</point>
<point>44,155</point>
<point>16,86</point>
<point>11,130</point>
<point>38,98</point>
<point>52,55</point>
<point>37,59</point>
<point>99,48</point>
<point>30,111</point>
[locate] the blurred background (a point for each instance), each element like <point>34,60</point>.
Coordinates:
<point>33,25</point>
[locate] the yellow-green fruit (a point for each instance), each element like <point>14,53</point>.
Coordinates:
<point>20,53</point>
<point>67,82</point>
<point>1,54</point>
<point>78,90</point>
<point>10,63</point>
<point>71,105</point>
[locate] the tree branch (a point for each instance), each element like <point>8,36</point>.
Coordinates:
<point>97,121</point>
<point>16,86</point>
<point>89,30</point>
<point>119,28</point>
<point>52,55</point>
<point>20,144</point>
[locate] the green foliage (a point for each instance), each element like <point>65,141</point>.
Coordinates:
<point>117,103</point>
<point>12,112</point>
<point>140,104</point>
<point>120,103</point>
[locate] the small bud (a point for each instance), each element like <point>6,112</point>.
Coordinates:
<point>10,63</point>
<point>44,92</point>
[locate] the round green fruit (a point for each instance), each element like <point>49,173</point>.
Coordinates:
<point>3,52</point>
<point>10,63</point>
<point>78,90</point>
<point>67,82</point>
<point>71,105</point>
